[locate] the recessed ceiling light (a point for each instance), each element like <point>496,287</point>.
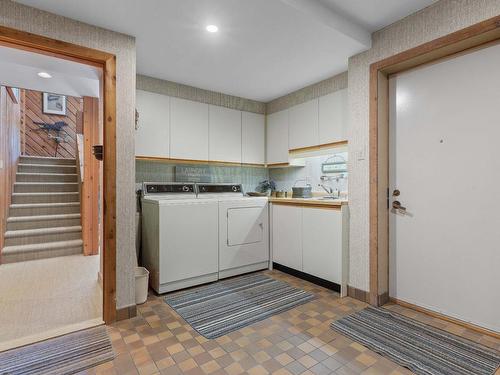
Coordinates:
<point>44,75</point>
<point>212,28</point>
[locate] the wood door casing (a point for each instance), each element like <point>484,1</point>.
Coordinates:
<point>90,191</point>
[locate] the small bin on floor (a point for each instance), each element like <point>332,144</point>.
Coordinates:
<point>141,285</point>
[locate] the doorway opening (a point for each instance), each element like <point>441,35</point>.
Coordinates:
<point>61,264</point>
<point>386,199</point>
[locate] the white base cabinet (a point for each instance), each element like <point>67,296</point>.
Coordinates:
<point>322,243</point>
<point>287,236</point>
<point>312,240</point>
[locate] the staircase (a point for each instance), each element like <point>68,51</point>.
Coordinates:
<point>44,215</point>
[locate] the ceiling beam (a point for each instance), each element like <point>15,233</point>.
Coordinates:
<point>330,18</point>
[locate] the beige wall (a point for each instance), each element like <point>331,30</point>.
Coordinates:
<point>440,19</point>
<point>325,87</point>
<point>38,22</point>
<point>196,94</point>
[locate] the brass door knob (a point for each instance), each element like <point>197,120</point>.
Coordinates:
<point>397,206</point>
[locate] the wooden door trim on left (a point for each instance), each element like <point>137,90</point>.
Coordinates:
<point>476,36</point>
<point>107,62</point>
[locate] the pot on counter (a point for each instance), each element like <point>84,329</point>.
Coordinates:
<point>302,192</point>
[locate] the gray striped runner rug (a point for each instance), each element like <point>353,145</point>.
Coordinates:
<point>423,349</point>
<point>63,355</point>
<point>216,309</point>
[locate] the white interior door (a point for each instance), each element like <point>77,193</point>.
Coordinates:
<point>445,161</point>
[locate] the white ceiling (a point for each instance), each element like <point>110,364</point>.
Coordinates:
<point>20,68</point>
<point>264,48</point>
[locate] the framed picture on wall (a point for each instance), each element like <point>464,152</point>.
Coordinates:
<point>54,104</point>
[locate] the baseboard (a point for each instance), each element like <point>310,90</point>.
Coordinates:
<point>126,313</point>
<point>305,276</point>
<point>383,299</point>
<point>359,294</point>
<point>471,326</point>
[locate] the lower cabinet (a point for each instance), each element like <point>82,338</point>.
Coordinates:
<point>311,240</point>
<point>322,243</point>
<point>287,236</point>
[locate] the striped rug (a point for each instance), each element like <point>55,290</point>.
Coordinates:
<point>225,306</point>
<point>63,355</point>
<point>423,349</point>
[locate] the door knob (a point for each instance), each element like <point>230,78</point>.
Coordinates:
<point>396,193</point>
<point>397,206</point>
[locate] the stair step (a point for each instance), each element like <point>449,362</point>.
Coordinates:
<point>57,197</point>
<point>42,235</point>
<point>40,187</point>
<point>44,209</point>
<point>46,168</point>
<point>46,177</point>
<point>42,221</point>
<point>46,160</point>
<point>20,253</point>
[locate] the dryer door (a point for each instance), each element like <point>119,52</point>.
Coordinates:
<point>243,236</point>
<point>245,225</point>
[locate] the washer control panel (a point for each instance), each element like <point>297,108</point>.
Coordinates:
<point>167,188</point>
<point>219,188</point>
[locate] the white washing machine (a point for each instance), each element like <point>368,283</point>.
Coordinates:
<point>179,236</point>
<point>243,229</point>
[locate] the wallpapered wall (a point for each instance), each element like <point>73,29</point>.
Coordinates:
<point>50,25</point>
<point>444,17</point>
<point>196,94</point>
<point>325,87</point>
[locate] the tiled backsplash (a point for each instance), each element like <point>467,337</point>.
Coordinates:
<point>158,171</point>
<point>285,178</point>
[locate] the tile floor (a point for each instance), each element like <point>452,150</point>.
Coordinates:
<point>298,341</point>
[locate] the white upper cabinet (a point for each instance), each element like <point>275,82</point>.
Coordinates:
<point>253,135</point>
<point>188,129</point>
<point>224,134</point>
<point>277,137</point>
<point>304,125</point>
<point>333,117</point>
<point>152,137</point>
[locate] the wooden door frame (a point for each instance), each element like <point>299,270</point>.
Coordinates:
<point>476,36</point>
<point>107,62</point>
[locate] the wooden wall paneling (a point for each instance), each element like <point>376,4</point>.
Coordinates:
<point>10,150</point>
<point>90,185</point>
<point>36,141</point>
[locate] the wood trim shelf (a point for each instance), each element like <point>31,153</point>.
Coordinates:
<point>194,161</point>
<point>304,203</point>
<point>319,147</point>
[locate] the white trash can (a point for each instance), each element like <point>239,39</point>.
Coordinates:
<point>141,285</point>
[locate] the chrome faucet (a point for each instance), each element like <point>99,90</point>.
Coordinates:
<point>329,190</point>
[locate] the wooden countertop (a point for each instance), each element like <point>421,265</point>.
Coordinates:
<point>313,202</point>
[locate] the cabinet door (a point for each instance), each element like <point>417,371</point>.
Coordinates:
<point>322,243</point>
<point>287,236</point>
<point>277,137</point>
<point>304,125</point>
<point>333,117</point>
<point>152,137</point>
<point>224,134</point>
<point>253,136</point>
<point>188,129</point>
